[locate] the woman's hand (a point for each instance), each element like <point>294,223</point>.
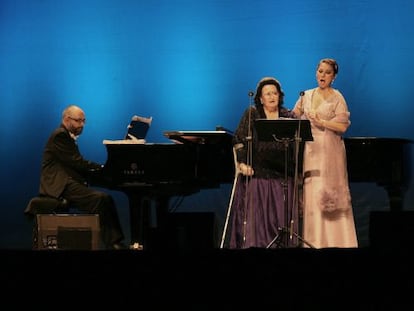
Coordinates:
<point>246,170</point>
<point>314,118</point>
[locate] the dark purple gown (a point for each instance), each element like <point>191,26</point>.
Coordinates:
<point>259,208</point>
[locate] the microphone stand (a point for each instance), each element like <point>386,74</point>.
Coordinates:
<point>295,186</point>
<point>295,207</point>
<point>249,162</point>
<point>284,230</point>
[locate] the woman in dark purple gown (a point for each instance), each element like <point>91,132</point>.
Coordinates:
<point>259,214</point>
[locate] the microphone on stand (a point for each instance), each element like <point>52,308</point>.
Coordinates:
<point>300,106</point>
<point>297,140</point>
<point>251,104</point>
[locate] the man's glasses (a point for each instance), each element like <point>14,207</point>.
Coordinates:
<point>78,120</point>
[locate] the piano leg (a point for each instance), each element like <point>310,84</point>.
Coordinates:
<point>148,218</point>
<point>137,210</point>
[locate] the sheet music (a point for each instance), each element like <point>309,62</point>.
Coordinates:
<point>200,137</point>
<point>136,132</point>
<point>124,142</point>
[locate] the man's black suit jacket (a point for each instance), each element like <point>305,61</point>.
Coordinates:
<point>62,161</point>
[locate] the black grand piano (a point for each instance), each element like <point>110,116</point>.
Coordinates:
<point>384,161</point>
<point>151,174</point>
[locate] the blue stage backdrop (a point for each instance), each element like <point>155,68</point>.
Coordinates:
<point>189,65</point>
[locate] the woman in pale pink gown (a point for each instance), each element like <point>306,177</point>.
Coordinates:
<point>328,219</point>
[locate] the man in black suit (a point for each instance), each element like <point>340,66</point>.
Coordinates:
<point>64,176</point>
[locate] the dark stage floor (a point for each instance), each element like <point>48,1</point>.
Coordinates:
<point>210,279</point>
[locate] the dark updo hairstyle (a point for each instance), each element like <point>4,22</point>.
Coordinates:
<point>329,61</point>
<point>261,84</point>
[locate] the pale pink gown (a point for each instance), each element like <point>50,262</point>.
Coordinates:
<point>328,219</point>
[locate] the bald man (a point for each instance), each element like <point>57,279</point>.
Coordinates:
<point>64,176</point>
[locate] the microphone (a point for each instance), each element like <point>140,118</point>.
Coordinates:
<point>251,93</point>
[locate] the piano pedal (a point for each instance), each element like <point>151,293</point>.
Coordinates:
<point>136,247</point>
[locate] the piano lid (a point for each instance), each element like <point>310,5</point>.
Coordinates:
<point>200,137</point>
<point>375,140</point>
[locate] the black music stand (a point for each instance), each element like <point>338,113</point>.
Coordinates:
<point>286,131</point>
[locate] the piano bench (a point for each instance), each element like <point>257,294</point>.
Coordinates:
<point>56,225</point>
<point>45,205</point>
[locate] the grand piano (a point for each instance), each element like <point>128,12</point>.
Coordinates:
<point>384,161</point>
<point>150,174</point>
